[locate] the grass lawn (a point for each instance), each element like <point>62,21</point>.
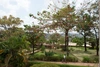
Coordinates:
<point>79,52</point>
<point>61,65</point>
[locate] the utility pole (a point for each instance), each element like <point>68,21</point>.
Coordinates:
<point>99,32</point>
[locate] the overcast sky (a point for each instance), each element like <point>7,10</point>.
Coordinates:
<point>22,8</point>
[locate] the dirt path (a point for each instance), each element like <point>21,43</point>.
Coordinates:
<point>74,63</point>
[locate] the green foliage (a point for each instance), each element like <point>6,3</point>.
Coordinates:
<point>50,53</point>
<point>14,43</point>
<point>45,65</point>
<point>37,57</point>
<point>90,59</point>
<point>54,38</point>
<point>62,40</point>
<point>78,41</point>
<point>35,34</point>
<point>2,56</point>
<point>71,59</point>
<point>87,59</point>
<point>43,48</point>
<point>54,57</point>
<point>17,61</point>
<point>62,65</point>
<point>9,22</point>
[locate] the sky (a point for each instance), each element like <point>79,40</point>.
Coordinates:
<point>22,8</point>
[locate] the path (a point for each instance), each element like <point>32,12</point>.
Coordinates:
<point>74,63</point>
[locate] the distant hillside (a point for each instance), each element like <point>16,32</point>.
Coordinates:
<point>62,34</point>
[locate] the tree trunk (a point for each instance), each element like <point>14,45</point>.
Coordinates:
<point>7,59</point>
<point>66,42</point>
<point>97,43</point>
<point>33,43</point>
<point>85,43</point>
<point>92,44</point>
<point>33,47</point>
<point>97,47</point>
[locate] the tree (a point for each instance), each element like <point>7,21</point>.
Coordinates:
<point>54,38</point>
<point>84,26</point>
<point>91,9</point>
<point>35,34</point>
<point>12,47</point>
<point>13,40</point>
<point>78,41</point>
<point>95,12</point>
<point>92,41</point>
<point>9,22</point>
<point>8,26</point>
<point>61,40</point>
<point>64,18</point>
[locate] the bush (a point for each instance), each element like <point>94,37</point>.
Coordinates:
<point>30,63</point>
<point>50,56</point>
<point>96,59</point>
<point>63,49</point>
<point>90,60</point>
<point>45,65</point>
<point>54,58</point>
<point>86,59</point>
<point>43,48</point>
<point>17,61</point>
<point>50,53</point>
<point>37,57</point>
<point>71,59</point>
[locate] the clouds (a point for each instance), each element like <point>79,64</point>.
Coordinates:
<point>22,8</point>
<point>17,8</point>
<point>12,6</point>
<point>24,4</point>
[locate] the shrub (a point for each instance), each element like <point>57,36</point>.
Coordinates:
<point>90,60</point>
<point>45,65</point>
<point>86,59</point>
<point>71,59</point>
<point>63,49</point>
<point>43,48</point>
<point>96,59</point>
<point>17,61</point>
<point>50,53</point>
<point>37,57</point>
<point>30,63</point>
<point>71,49</point>
<point>54,58</point>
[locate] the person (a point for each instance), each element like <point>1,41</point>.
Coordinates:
<point>64,58</point>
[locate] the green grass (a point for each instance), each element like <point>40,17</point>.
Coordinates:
<point>77,52</point>
<point>61,65</point>
<point>80,53</point>
<point>40,53</point>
